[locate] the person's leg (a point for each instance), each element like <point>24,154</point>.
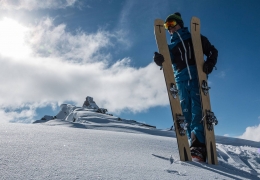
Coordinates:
<point>196,110</point>
<point>184,96</point>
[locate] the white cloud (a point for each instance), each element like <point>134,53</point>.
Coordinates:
<point>64,67</point>
<point>53,41</point>
<point>12,36</point>
<point>123,33</point>
<point>252,133</point>
<point>34,4</point>
<point>22,114</point>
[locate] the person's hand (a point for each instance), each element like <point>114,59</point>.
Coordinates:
<point>158,58</point>
<point>208,67</point>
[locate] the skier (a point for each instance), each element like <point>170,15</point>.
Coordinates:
<point>185,72</point>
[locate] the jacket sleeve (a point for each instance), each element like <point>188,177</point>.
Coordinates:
<point>209,50</point>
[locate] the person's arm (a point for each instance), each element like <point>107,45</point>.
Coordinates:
<point>212,54</point>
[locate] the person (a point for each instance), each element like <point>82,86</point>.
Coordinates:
<point>185,72</point>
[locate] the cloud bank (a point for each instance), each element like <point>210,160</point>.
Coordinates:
<point>252,133</point>
<point>63,67</point>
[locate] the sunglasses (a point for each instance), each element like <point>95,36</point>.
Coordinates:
<point>170,24</point>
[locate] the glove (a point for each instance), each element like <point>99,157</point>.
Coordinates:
<point>208,67</point>
<point>158,58</point>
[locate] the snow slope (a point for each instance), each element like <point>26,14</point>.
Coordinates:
<point>100,146</point>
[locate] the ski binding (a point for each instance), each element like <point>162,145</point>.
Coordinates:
<point>205,88</point>
<point>182,125</point>
<point>211,120</point>
<point>174,90</point>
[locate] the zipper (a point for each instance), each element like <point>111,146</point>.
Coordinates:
<point>186,59</point>
<point>189,51</point>
<point>181,53</point>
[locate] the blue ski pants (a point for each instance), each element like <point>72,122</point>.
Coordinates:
<point>191,107</point>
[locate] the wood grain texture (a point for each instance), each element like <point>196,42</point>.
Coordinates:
<point>205,99</point>
<point>160,36</point>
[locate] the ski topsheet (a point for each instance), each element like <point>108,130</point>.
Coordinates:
<point>209,118</point>
<point>178,118</point>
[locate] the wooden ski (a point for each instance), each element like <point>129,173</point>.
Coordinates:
<point>209,118</point>
<point>178,118</point>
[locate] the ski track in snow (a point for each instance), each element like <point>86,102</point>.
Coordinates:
<point>99,146</point>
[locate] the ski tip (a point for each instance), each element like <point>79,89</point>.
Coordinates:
<point>194,17</point>
<point>158,21</point>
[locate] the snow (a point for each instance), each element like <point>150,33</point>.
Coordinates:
<point>101,146</point>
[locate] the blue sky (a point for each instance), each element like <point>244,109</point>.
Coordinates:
<point>55,52</point>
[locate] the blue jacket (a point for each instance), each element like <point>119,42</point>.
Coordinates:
<point>182,54</point>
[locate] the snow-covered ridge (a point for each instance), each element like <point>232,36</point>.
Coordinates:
<point>90,115</point>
